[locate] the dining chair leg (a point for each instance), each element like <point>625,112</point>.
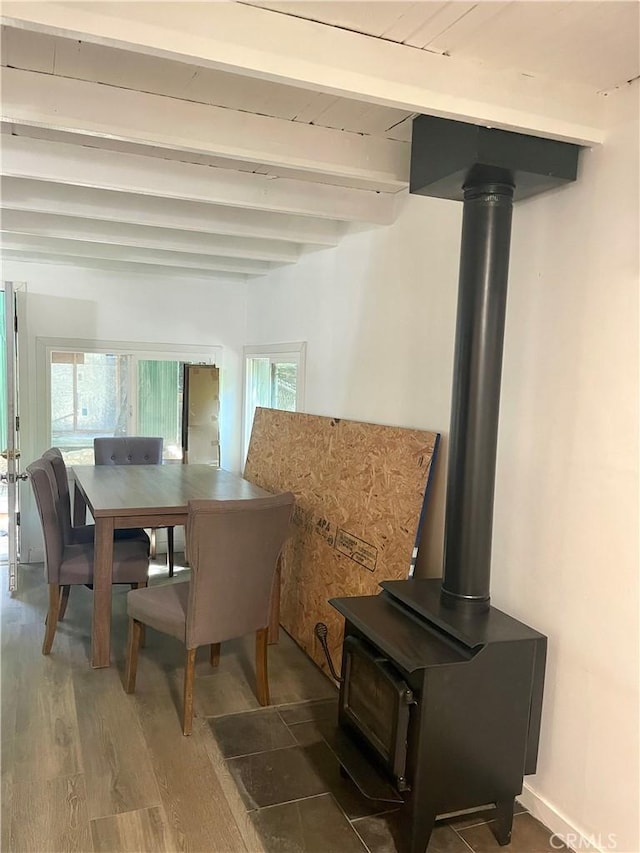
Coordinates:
<point>187,707</point>
<point>143,627</point>
<point>262,675</point>
<point>135,631</point>
<point>170,550</point>
<point>64,600</point>
<point>152,546</point>
<point>214,654</point>
<point>52,618</point>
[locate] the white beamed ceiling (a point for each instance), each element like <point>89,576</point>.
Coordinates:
<point>225,139</point>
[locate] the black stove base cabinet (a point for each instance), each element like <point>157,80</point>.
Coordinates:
<point>439,709</point>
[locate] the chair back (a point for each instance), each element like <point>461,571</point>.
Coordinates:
<point>54,457</point>
<point>233,549</point>
<point>45,492</point>
<point>128,450</point>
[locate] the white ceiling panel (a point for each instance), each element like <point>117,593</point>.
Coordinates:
<point>436,21</point>
<point>586,41</point>
<point>449,39</point>
<point>222,139</point>
<point>139,268</point>
<point>109,112</point>
<point>111,251</point>
<point>147,237</point>
<point>108,205</point>
<point>411,21</point>
<point>371,18</point>
<point>266,45</point>
<point>25,49</point>
<point>110,170</point>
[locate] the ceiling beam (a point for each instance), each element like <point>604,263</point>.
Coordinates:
<point>262,43</point>
<point>113,170</point>
<point>145,237</point>
<point>42,197</point>
<point>105,251</point>
<point>108,112</point>
<point>155,270</point>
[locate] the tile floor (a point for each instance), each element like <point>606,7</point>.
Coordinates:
<point>290,782</point>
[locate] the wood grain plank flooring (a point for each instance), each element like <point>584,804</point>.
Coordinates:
<point>194,802</point>
<point>117,765</point>
<point>50,815</point>
<point>87,768</point>
<point>10,637</point>
<point>6,798</point>
<point>141,831</point>
<point>46,739</point>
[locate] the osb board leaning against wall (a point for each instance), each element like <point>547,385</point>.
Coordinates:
<point>360,490</point>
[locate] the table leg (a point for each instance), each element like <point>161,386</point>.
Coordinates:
<point>102,578</point>
<point>274,618</point>
<point>79,507</point>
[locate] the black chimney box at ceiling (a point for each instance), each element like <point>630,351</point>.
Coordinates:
<point>448,155</point>
<point>441,694</point>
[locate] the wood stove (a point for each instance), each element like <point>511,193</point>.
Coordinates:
<point>470,692</point>
<point>441,693</point>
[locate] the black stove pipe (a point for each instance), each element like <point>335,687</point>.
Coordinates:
<point>488,169</point>
<point>482,296</point>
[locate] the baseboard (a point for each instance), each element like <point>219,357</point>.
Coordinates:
<point>567,832</point>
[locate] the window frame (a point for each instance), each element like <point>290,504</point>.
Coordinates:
<point>138,350</point>
<point>295,351</point>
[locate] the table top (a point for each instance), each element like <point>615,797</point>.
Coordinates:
<point>134,489</point>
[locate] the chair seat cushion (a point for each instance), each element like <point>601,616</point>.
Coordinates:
<point>127,534</point>
<point>131,560</point>
<point>77,564</point>
<point>85,534</point>
<point>130,563</point>
<point>163,607</point>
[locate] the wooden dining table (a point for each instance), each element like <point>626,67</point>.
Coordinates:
<point>124,496</point>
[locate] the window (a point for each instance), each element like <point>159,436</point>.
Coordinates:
<point>99,391</point>
<point>273,378</point>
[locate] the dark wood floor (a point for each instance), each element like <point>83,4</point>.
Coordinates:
<point>86,767</point>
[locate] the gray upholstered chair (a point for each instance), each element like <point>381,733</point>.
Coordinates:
<point>233,549</point>
<point>134,450</point>
<point>82,533</point>
<point>66,565</point>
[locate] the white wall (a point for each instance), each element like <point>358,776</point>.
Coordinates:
<point>68,302</point>
<point>566,515</point>
<point>378,313</point>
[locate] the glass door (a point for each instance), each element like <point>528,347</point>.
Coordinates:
<point>10,475</point>
<point>96,392</point>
